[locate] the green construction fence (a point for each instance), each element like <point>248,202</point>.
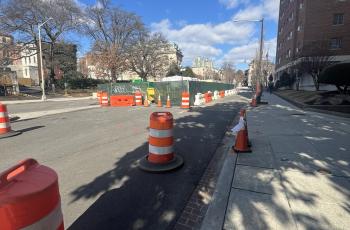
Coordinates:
<point>173,88</point>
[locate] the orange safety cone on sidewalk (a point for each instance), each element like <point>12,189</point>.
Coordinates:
<point>243,113</point>
<point>5,126</point>
<point>241,143</point>
<point>159,101</point>
<point>168,103</point>
<point>253,103</point>
<point>145,103</point>
<point>30,197</point>
<point>161,156</point>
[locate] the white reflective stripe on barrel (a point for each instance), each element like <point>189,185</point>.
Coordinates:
<point>4,125</point>
<point>3,114</point>
<point>160,150</point>
<point>52,221</point>
<point>104,98</point>
<point>185,103</point>
<point>161,133</point>
<point>138,96</point>
<point>185,98</point>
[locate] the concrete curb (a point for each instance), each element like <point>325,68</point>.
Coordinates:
<point>215,216</point>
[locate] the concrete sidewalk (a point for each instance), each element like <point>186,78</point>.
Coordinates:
<point>297,177</point>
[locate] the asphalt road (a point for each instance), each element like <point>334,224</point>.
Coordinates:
<point>95,154</point>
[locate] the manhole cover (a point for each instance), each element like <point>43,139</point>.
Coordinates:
<point>324,171</point>
<point>284,159</point>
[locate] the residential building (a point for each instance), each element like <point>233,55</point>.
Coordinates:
<point>65,59</point>
<point>311,28</point>
<point>25,64</point>
<point>204,68</point>
<point>6,42</point>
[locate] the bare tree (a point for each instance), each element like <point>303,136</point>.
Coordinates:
<point>23,16</point>
<point>146,56</point>
<point>112,30</point>
<point>239,76</point>
<point>228,72</point>
<point>314,58</point>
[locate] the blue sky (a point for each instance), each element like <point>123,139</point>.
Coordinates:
<point>206,28</point>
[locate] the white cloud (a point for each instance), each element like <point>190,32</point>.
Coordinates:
<point>202,39</point>
<point>208,34</point>
<point>245,53</point>
<point>231,4</point>
<point>268,9</point>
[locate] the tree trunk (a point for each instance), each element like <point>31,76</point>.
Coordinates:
<point>113,74</point>
<point>52,67</point>
<point>316,84</point>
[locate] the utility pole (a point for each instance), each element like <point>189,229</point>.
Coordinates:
<point>43,96</point>
<point>261,50</point>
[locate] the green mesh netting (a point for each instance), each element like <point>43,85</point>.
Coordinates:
<point>174,89</point>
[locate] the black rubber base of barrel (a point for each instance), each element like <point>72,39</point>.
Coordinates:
<point>147,166</point>
<point>10,134</point>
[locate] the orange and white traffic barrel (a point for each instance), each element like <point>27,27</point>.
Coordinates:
<point>104,99</point>
<point>5,126</point>
<point>138,98</point>
<point>185,101</point>
<point>99,97</point>
<point>161,156</point>
<point>29,198</point>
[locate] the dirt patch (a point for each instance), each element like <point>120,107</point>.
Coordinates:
<point>316,98</point>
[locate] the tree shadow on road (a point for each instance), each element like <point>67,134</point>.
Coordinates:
<point>129,198</point>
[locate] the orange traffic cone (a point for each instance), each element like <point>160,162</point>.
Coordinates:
<point>145,103</point>
<point>253,103</point>
<point>243,114</point>
<point>168,103</point>
<point>5,126</point>
<point>159,101</point>
<point>242,143</point>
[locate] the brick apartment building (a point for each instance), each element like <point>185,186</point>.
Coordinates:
<point>312,27</point>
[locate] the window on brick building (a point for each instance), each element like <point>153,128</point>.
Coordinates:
<point>300,27</point>
<point>335,43</point>
<point>338,19</point>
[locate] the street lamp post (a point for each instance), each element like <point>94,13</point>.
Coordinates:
<point>261,41</point>
<point>43,96</point>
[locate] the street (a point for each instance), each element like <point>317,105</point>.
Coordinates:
<point>95,154</point>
